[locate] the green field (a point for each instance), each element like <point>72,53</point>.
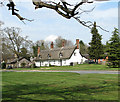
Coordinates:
<point>76,67</point>
<point>32,86</point>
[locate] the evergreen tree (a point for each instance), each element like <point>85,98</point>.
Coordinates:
<point>96,47</point>
<point>35,50</point>
<point>83,47</point>
<point>24,53</point>
<point>42,47</point>
<point>113,49</point>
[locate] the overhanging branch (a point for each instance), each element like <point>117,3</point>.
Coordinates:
<point>62,8</point>
<point>89,24</point>
<point>11,6</point>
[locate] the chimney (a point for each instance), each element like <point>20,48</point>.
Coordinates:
<point>77,43</point>
<point>52,45</point>
<point>63,43</point>
<point>38,50</point>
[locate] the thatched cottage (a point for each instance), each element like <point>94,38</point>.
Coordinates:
<point>63,56</point>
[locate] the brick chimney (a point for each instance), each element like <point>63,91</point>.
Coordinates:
<point>52,45</point>
<point>63,43</point>
<point>38,50</point>
<point>77,43</point>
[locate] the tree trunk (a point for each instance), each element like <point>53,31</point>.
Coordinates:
<point>119,65</point>
<point>96,61</point>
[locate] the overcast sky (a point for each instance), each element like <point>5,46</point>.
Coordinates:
<point>48,25</point>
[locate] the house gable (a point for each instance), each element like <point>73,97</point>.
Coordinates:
<point>18,62</point>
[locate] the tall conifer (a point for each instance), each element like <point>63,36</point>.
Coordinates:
<point>113,49</point>
<point>96,47</point>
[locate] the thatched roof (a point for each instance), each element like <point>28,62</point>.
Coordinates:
<point>16,60</point>
<point>54,54</point>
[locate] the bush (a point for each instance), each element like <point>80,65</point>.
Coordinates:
<point>3,65</point>
<point>33,65</point>
<point>112,65</point>
<point>51,65</point>
<point>9,67</point>
<point>23,65</point>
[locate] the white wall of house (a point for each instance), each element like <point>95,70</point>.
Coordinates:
<point>75,58</point>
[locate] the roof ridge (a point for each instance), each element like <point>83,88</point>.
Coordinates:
<point>55,49</point>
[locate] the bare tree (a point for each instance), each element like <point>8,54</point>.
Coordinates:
<point>6,52</point>
<point>59,42</point>
<point>1,31</point>
<point>14,41</point>
<point>42,44</point>
<point>62,7</point>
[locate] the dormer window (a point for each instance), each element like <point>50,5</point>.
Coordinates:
<point>40,56</point>
<point>60,55</point>
<point>49,56</point>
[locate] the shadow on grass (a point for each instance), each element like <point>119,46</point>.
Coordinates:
<point>34,92</point>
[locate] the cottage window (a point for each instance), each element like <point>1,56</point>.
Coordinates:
<point>60,55</point>
<point>64,61</point>
<point>74,53</point>
<point>49,56</point>
<point>40,56</point>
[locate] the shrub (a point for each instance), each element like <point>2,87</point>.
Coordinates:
<point>23,64</point>
<point>3,65</point>
<point>33,65</point>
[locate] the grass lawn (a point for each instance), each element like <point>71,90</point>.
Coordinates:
<point>32,86</point>
<point>76,67</point>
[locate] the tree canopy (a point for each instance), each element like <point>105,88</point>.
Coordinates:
<point>83,47</point>
<point>60,42</point>
<point>113,49</point>
<point>96,47</point>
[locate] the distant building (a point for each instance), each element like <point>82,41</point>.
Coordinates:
<point>18,63</point>
<point>64,56</point>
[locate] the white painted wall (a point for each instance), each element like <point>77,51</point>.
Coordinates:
<point>75,58</point>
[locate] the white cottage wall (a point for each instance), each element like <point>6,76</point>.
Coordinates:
<point>75,58</point>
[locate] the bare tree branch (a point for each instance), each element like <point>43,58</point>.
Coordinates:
<point>102,28</point>
<point>68,12</point>
<point>63,8</point>
<point>11,6</point>
<point>88,24</point>
<point>85,11</point>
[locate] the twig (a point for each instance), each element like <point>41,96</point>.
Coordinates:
<point>88,24</point>
<point>85,11</point>
<point>102,28</point>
